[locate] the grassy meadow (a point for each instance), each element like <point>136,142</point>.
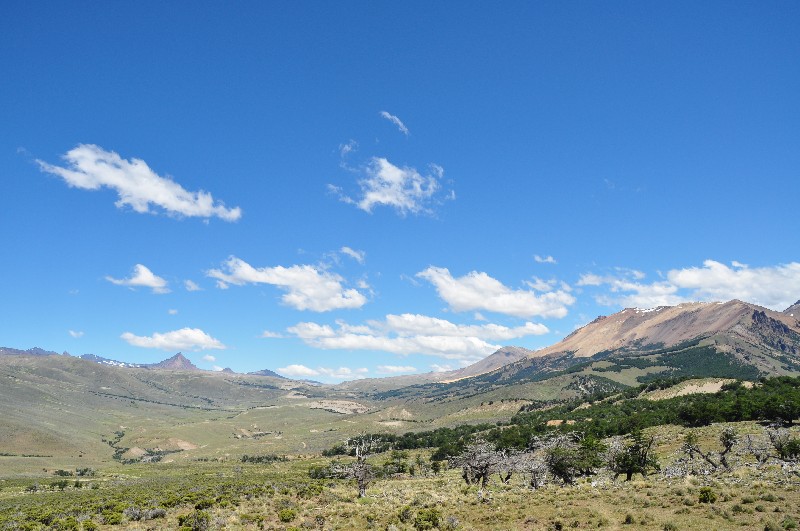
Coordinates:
<point>195,493</point>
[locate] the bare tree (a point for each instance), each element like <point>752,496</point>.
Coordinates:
<point>477,462</point>
<point>728,439</point>
<point>360,469</point>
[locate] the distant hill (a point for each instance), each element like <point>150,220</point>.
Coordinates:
<point>35,351</point>
<point>106,361</point>
<point>734,325</point>
<point>267,372</point>
<point>500,358</point>
<point>725,340</point>
<point>178,362</point>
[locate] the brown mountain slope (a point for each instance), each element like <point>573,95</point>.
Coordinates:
<point>666,326</point>
<point>498,359</point>
<point>178,362</point>
<point>501,357</point>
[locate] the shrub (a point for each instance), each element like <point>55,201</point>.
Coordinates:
<point>707,495</point>
<point>195,521</point>
<point>427,518</point>
<point>287,515</point>
<point>405,514</point>
<point>88,525</point>
<point>450,523</point>
<point>112,518</point>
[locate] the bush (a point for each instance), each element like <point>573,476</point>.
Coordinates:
<point>88,525</point>
<point>405,514</point>
<point>111,518</point>
<point>287,515</point>
<point>707,495</point>
<point>195,521</point>
<point>427,518</point>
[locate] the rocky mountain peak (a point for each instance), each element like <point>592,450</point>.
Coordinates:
<point>178,362</point>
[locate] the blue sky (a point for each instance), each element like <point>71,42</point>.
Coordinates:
<point>341,190</point>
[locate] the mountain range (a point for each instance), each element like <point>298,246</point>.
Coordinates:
<point>72,406</point>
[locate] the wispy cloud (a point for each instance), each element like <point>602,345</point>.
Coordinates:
<point>404,189</point>
<point>75,334</point>
<point>308,287</point>
<point>90,167</point>
<point>358,256</point>
<point>172,311</point>
<point>478,291</point>
<point>396,121</point>
<point>413,334</point>
<point>189,339</point>
<point>338,373</point>
<point>209,358</point>
<point>345,149</point>
<point>395,369</point>
<point>544,259</point>
<point>190,285</point>
<point>297,371</point>
<point>267,334</point>
<point>142,277</point>
<point>774,287</point>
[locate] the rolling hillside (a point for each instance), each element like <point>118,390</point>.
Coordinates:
<point>93,410</point>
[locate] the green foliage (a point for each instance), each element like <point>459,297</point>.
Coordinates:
<point>635,457</point>
<point>405,514</point>
<point>287,515</point>
<point>263,459</point>
<point>195,521</point>
<point>707,495</point>
<point>112,518</point>
<point>427,518</point>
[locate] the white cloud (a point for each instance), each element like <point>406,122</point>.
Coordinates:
<point>209,358</point>
<point>344,149</point>
<point>308,287</point>
<point>395,369</point>
<point>396,121</point>
<point>343,373</point>
<point>297,371</point>
<point>191,286</point>
<point>441,368</point>
<point>414,334</point>
<point>268,334</point>
<point>91,167</point>
<point>774,287</point>
<point>184,339</point>
<point>539,284</point>
<point>627,290</point>
<point>358,256</point>
<point>414,324</point>
<point>404,189</point>
<point>75,334</point>
<point>544,259</point>
<point>217,368</point>
<point>172,311</point>
<point>336,373</point>
<point>478,291</point>
<point>142,277</point>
